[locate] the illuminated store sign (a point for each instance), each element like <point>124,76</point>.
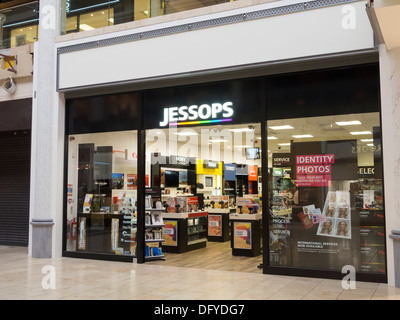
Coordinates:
<point>205,113</point>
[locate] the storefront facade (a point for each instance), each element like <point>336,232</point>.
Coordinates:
<point>176,144</point>
<point>283,142</point>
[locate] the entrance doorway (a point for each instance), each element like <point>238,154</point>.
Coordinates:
<point>207,178</point>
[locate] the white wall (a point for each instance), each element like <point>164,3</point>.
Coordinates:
<point>289,36</point>
<point>390,93</point>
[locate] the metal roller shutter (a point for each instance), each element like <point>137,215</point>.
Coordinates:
<point>15,152</point>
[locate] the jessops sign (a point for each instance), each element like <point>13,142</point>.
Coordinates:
<point>194,114</point>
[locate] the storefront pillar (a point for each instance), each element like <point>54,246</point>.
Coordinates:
<point>390,99</point>
<point>47,140</point>
<point>395,236</point>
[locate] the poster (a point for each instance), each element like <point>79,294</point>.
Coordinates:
<point>220,202</point>
<point>114,233</point>
<point>170,234</point>
<point>337,215</point>
<point>314,170</point>
<point>82,234</point>
<point>87,204</point>
<point>242,235</point>
<point>323,223</point>
<point>215,225</point>
<point>192,204</point>
<point>250,205</point>
<point>132,181</point>
<point>118,180</point>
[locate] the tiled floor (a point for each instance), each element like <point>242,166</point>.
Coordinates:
<point>22,279</point>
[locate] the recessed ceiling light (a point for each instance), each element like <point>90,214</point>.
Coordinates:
<point>355,133</point>
<point>281,127</point>
<point>367,140</point>
<point>272,138</point>
<point>242,146</point>
<point>370,144</point>
<point>302,136</point>
<point>241,130</point>
<point>189,133</point>
<point>348,123</point>
<point>284,144</point>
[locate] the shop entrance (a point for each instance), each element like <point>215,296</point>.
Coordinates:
<point>207,180</point>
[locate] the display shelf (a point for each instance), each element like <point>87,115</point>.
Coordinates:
<point>160,257</point>
<point>153,233</point>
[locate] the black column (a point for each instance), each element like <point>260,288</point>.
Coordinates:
<point>140,241</point>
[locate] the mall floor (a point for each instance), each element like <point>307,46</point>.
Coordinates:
<point>25,278</point>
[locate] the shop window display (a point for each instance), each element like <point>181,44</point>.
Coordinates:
<point>202,175</point>
<point>102,193</point>
<point>326,200</point>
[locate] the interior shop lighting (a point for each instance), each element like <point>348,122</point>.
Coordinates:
<point>272,138</point>
<point>190,133</point>
<point>85,27</point>
<point>302,136</point>
<point>356,133</point>
<point>370,144</point>
<point>199,122</point>
<point>245,146</point>
<point>348,123</point>
<point>217,140</point>
<point>285,127</point>
<point>367,140</point>
<point>241,130</point>
<point>284,144</point>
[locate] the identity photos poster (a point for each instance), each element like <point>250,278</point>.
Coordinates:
<point>322,220</point>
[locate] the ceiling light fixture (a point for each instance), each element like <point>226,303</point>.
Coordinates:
<point>302,136</point>
<point>182,133</point>
<point>357,133</point>
<point>348,123</point>
<point>241,130</point>
<point>281,127</point>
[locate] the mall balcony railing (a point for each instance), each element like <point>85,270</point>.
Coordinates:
<point>19,20</point>
<point>94,14</point>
